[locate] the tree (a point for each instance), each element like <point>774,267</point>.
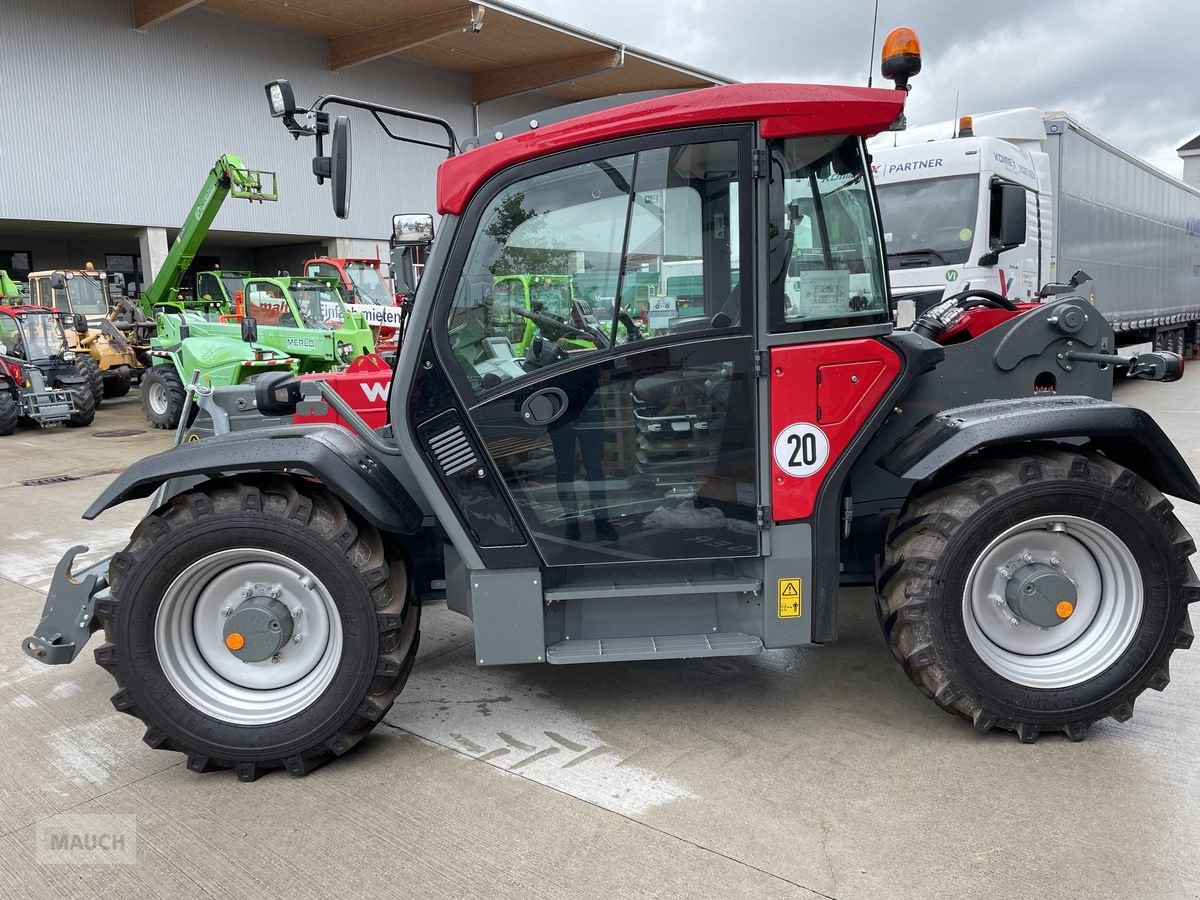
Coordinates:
<point>510,215</point>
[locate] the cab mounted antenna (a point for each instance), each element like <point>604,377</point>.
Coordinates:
<point>874,34</point>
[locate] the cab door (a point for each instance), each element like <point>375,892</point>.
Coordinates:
<point>621,432</point>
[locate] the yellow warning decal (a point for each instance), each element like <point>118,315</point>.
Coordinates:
<point>789,598</point>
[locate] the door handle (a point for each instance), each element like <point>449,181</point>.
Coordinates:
<point>544,407</point>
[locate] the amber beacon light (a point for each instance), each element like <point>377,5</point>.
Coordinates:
<point>901,56</point>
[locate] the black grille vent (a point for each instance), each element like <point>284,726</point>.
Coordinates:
<point>49,479</point>
<point>452,450</point>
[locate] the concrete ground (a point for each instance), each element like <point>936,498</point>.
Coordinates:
<point>798,773</point>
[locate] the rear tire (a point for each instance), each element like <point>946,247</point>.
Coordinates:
<point>171,586</point>
<point>85,407</point>
<point>118,385</point>
<point>9,412</point>
<point>90,369</point>
<point>947,568</point>
<point>163,396</point>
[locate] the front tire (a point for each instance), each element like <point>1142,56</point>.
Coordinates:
<point>85,407</point>
<point>118,385</point>
<point>1096,545</point>
<point>10,413</point>
<point>163,396</point>
<point>180,586</point>
<point>87,367</point>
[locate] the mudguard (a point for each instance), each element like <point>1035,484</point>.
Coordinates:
<point>1126,435</point>
<point>330,454</point>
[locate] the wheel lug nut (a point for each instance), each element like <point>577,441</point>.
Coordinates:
<point>1056,562</point>
<point>998,600</point>
<point>1005,573</point>
<point>1027,558</point>
<point>226,612</point>
<point>297,612</point>
<point>296,639</point>
<point>247,593</point>
<point>275,658</point>
<point>1014,622</point>
<point>307,582</point>
<point>275,592</point>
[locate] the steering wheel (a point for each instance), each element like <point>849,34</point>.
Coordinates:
<point>984,298</point>
<point>552,327</point>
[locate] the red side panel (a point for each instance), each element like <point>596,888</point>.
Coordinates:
<point>364,385</point>
<point>821,394</point>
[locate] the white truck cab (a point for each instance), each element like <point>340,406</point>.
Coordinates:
<point>965,205</point>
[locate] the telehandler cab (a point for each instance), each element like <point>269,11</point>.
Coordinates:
<point>700,492</point>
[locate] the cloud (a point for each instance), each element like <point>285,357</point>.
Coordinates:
<point>1120,69</point>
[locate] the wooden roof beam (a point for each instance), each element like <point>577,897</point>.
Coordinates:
<point>150,12</point>
<point>363,46</point>
<point>496,83</point>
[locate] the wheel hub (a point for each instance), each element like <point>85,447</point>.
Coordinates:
<point>1052,601</point>
<point>258,630</point>
<point>1041,595</point>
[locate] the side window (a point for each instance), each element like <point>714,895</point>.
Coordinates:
<point>827,269</point>
<point>9,336</point>
<point>592,257</point>
<point>266,303</point>
<point>681,270</point>
<point>207,287</point>
<point>538,232</point>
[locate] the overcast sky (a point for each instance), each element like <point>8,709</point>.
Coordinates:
<point>1119,66</point>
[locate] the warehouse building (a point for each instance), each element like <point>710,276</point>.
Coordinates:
<point>116,110</point>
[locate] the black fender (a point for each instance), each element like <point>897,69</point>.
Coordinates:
<point>71,380</point>
<point>330,454</point>
<point>1126,435</point>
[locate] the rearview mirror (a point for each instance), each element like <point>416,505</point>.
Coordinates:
<point>250,329</point>
<point>412,229</point>
<point>336,167</point>
<point>116,279</point>
<point>1161,365</point>
<point>340,158</point>
<point>1008,224</point>
<point>58,281</point>
<point>79,320</point>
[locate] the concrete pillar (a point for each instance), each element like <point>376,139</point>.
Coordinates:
<point>152,245</point>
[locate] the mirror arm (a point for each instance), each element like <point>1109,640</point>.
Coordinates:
<point>377,109</point>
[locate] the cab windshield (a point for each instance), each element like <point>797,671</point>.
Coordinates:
<point>41,336</point>
<point>369,283</point>
<point>87,295</point>
<point>931,222</point>
<point>320,306</point>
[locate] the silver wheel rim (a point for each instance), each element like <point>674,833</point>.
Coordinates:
<point>156,396</point>
<point>189,638</point>
<point>1105,618</point>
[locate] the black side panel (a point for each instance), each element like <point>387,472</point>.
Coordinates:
<point>919,356</point>
<point>328,453</point>
<point>480,502</point>
<point>1127,435</point>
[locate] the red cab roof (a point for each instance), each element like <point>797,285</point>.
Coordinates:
<point>22,309</point>
<point>782,110</point>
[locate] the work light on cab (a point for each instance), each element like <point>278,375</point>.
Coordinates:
<point>901,56</point>
<point>282,99</point>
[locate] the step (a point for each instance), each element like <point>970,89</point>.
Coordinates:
<point>668,587</point>
<point>674,646</point>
